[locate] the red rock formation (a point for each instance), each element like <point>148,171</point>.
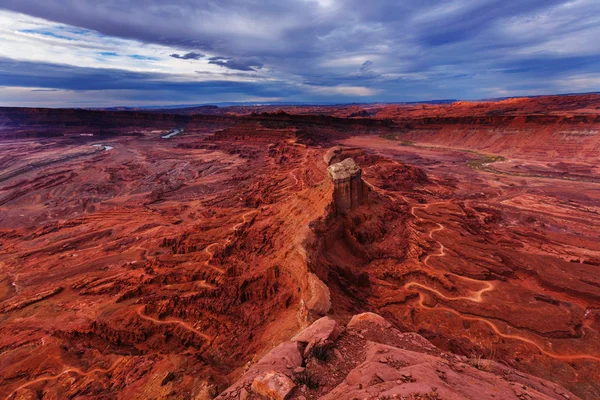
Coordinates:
<point>167,268</point>
<point>349,191</point>
<point>373,360</point>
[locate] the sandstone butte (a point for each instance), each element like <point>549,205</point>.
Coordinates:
<point>445,251</point>
<point>349,191</point>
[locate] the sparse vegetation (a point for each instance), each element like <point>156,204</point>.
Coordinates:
<point>479,359</point>
<point>322,352</point>
<point>481,163</point>
<point>389,136</point>
<point>394,137</point>
<point>306,378</point>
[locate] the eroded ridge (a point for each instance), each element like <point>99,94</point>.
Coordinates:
<point>167,267</point>
<point>479,263</point>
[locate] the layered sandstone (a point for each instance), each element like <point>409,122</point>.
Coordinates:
<point>349,190</point>
<point>157,268</point>
<point>166,268</point>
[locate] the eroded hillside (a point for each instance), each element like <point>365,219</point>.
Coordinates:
<point>138,266</point>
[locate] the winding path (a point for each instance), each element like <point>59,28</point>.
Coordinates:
<point>76,370</point>
<point>292,173</point>
<point>497,331</point>
<point>235,228</point>
<point>183,324</point>
<point>476,296</point>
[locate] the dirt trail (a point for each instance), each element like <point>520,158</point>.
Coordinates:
<point>292,173</point>
<point>476,296</point>
<point>183,324</point>
<point>208,249</point>
<point>76,370</point>
<point>562,357</point>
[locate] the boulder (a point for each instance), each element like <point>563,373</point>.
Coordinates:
<point>273,385</point>
<point>320,333</point>
<point>284,357</point>
<point>368,318</point>
<point>319,302</point>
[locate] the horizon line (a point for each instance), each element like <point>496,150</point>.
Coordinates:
<point>227,104</point>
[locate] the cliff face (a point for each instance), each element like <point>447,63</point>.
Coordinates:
<point>546,137</point>
<point>247,282</point>
<point>349,188</point>
<point>16,123</point>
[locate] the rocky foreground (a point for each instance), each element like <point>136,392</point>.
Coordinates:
<point>369,359</point>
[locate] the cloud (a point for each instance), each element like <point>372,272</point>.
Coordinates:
<point>366,65</point>
<point>45,33</point>
<point>581,82</point>
<point>188,56</point>
<point>240,64</point>
<point>359,91</point>
<point>16,96</point>
<point>386,50</point>
<point>132,88</point>
<point>66,77</point>
<point>349,61</point>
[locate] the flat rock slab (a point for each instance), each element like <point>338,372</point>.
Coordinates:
<point>343,170</point>
<point>320,331</point>
<point>389,372</point>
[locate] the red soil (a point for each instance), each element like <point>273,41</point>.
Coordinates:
<point>163,267</point>
<point>495,265</point>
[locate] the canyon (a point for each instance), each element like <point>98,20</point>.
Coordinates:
<point>189,267</point>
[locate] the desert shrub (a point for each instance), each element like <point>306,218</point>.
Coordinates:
<point>306,378</point>
<point>322,352</point>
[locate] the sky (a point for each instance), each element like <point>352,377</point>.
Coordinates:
<point>101,53</point>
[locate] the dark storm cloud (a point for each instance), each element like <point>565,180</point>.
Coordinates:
<point>188,56</point>
<point>402,49</point>
<point>475,18</point>
<point>366,65</point>
<point>279,27</point>
<point>54,76</point>
<point>239,64</point>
